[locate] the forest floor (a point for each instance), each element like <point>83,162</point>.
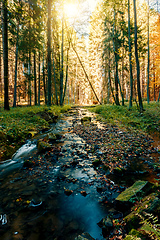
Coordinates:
<point>71,186</point>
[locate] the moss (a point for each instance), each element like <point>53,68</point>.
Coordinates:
<point>20,123</point>
<point>131,191</point>
<point>135,235</point>
<point>85,119</point>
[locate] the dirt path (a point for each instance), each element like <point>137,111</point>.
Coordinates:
<point>67,190</point>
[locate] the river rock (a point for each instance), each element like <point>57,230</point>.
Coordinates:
<point>43,146</point>
<point>106,224</point>
<point>135,189</point>
<point>48,116</point>
<point>84,236</point>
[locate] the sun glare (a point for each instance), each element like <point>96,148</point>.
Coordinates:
<point>71,10</point>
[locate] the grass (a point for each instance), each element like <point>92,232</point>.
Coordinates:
<point>148,121</point>
<point>18,122</point>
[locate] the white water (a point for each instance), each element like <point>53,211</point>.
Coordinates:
<point>17,158</point>
<point>25,150</point>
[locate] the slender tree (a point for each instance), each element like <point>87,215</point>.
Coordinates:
<point>61,72</point>
<point>5,54</point>
<point>49,52</point>
<point>35,79</point>
<point>148,58</point>
<point>136,56</point>
<point>39,78</point>
<point>130,57</point>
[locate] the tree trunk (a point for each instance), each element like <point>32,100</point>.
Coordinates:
<point>55,83</point>
<point>35,80</point>
<point>16,64</point>
<point>85,72</point>
<point>148,59</point>
<point>39,79</point>
<point>44,82</point>
<point>29,79</point>
<point>65,86</point>
<point>137,59</point>
<point>5,55</point>
<point>116,60</point>
<point>61,73</point>
<point>130,58</point>
<point>49,52</point>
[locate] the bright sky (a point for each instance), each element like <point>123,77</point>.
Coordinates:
<point>79,17</point>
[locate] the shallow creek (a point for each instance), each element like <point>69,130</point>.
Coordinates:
<point>62,196</point>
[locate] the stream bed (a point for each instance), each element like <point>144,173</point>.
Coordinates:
<point>60,194</point>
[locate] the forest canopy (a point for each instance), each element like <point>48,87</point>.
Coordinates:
<point>80,52</point>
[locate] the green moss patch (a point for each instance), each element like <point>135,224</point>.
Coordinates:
<point>131,191</point>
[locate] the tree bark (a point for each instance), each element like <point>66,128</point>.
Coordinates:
<point>65,86</point>
<point>39,79</point>
<point>85,73</point>
<point>49,53</point>
<point>130,58</point>
<point>55,83</point>
<point>44,82</point>
<point>35,80</point>
<point>16,65</point>
<point>137,59</point>
<point>148,59</point>
<point>116,60</point>
<point>5,55</point>
<point>61,72</point>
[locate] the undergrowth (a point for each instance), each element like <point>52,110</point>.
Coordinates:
<point>18,122</point>
<point>146,121</point>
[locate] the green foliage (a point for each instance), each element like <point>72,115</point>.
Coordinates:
<point>150,225</point>
<point>147,121</point>
<point>16,125</point>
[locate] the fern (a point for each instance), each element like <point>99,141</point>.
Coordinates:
<point>151,227</point>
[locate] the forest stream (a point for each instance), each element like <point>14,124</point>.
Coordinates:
<point>64,191</point>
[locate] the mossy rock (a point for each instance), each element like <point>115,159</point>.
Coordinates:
<point>135,235</point>
<point>132,191</point>
<point>86,120</point>
<point>53,137</point>
<point>48,116</point>
<point>84,236</point>
<point>43,146</point>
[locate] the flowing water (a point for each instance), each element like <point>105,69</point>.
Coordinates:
<point>57,199</point>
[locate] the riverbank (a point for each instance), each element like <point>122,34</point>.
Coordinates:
<point>22,123</point>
